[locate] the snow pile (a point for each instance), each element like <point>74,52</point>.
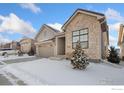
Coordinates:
<point>112,64</point>
<point>50,72</point>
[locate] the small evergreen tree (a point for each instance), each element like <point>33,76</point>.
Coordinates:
<point>113,55</point>
<point>20,53</point>
<point>79,58</point>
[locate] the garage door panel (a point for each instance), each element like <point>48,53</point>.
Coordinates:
<point>46,51</point>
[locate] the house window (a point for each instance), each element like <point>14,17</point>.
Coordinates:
<point>82,36</point>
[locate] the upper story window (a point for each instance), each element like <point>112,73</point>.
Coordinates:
<point>82,36</point>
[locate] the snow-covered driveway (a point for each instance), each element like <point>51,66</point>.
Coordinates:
<point>51,72</point>
<point>7,78</point>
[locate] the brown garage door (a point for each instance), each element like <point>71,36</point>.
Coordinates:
<point>46,51</point>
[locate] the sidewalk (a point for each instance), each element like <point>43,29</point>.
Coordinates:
<point>9,79</point>
<point>4,80</point>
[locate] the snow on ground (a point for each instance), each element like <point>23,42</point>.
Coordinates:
<point>51,72</point>
<point>10,57</point>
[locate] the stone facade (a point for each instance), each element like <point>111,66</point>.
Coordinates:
<point>45,34</point>
<point>122,51</point>
<point>121,41</point>
<point>94,50</point>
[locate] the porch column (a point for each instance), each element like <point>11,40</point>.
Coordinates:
<point>56,46</point>
<point>37,50</point>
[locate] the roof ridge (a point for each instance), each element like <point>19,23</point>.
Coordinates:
<point>52,28</point>
<point>94,12</point>
<point>79,10</point>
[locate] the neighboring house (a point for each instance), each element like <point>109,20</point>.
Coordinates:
<point>121,40</point>
<point>15,45</point>
<point>45,39</point>
<point>1,45</point>
<point>7,45</point>
<point>12,45</point>
<point>18,46</point>
<point>26,44</point>
<point>88,27</point>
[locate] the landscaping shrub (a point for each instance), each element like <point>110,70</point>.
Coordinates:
<point>113,55</point>
<point>20,53</point>
<point>79,59</point>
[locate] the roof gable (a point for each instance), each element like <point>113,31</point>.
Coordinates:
<point>55,30</point>
<point>47,27</point>
<point>30,39</point>
<point>83,11</point>
<point>99,16</point>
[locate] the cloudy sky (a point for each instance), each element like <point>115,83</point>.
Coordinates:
<point>19,20</point>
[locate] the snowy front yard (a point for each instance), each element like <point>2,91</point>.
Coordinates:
<point>51,72</point>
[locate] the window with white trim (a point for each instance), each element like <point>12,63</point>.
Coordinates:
<point>82,36</point>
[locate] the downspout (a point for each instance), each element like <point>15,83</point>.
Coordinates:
<point>101,40</point>
<point>104,48</point>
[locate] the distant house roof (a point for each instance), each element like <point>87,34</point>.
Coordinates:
<point>52,28</point>
<point>44,25</point>
<point>25,38</point>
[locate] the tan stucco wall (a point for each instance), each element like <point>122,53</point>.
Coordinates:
<point>61,46</point>
<point>121,51</point>
<point>85,21</point>
<point>37,50</point>
<point>121,40</point>
<point>45,34</point>
<point>104,43</point>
